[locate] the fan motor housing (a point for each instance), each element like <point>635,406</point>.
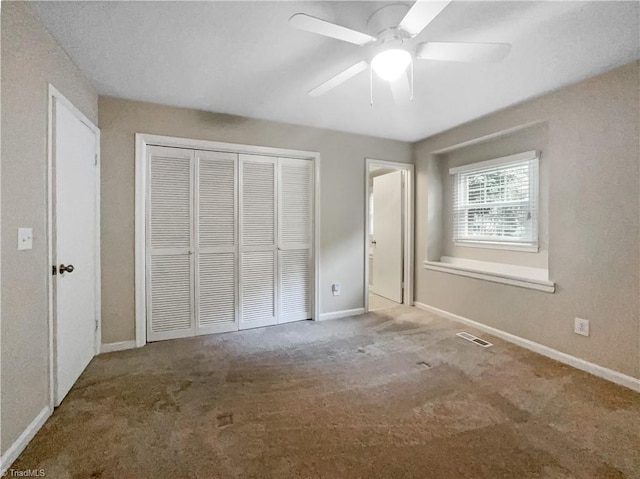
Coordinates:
<point>383,23</point>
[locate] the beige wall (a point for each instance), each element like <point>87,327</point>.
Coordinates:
<point>31,59</point>
<point>341,208</point>
<point>592,156</point>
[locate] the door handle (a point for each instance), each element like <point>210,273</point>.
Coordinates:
<point>66,269</point>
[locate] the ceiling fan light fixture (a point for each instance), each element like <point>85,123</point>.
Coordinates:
<point>390,64</point>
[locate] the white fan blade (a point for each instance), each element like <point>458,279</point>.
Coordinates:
<point>328,29</point>
<point>401,89</point>
<point>420,15</point>
<point>463,52</point>
<point>342,77</point>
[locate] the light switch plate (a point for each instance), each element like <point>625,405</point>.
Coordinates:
<point>335,289</point>
<point>25,238</point>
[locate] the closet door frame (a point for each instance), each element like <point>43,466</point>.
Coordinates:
<point>144,140</point>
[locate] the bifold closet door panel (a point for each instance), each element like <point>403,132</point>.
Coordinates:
<point>258,228</point>
<point>294,270</point>
<point>216,300</point>
<point>171,306</point>
<point>169,243</point>
<point>216,245</point>
<point>295,238</point>
<point>258,292</point>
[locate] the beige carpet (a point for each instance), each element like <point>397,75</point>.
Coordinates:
<point>365,397</point>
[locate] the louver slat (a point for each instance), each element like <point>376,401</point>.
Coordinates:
<point>216,246</point>
<point>170,200</point>
<point>295,225</point>
<point>295,287</point>
<point>217,282</point>
<point>170,272</point>
<point>258,203</point>
<point>229,235</point>
<point>296,188</point>
<point>258,286</point>
<point>170,293</point>
<point>258,247</point>
<point>216,215</point>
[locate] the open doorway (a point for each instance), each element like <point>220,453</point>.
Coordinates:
<point>389,235</point>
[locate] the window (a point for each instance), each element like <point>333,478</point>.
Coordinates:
<point>495,203</point>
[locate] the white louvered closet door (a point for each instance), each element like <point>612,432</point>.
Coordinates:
<point>295,231</point>
<point>216,245</point>
<point>257,201</point>
<point>169,260</point>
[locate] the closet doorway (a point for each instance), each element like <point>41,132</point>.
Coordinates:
<point>226,237</point>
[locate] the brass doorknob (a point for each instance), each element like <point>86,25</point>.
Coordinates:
<point>66,269</point>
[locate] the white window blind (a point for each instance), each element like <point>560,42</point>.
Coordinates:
<point>496,201</point>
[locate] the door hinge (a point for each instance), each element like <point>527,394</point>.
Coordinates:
<point>96,324</point>
<point>95,160</point>
<point>54,270</point>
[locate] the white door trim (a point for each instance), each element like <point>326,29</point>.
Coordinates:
<point>54,97</point>
<point>142,141</point>
<point>408,200</point>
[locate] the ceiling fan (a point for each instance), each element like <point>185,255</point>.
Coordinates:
<point>391,56</point>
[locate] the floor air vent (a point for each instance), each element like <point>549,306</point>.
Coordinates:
<point>474,339</point>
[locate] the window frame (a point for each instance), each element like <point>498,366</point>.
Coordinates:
<point>534,198</point>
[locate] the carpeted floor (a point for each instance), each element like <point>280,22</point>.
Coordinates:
<point>379,303</point>
<point>372,396</point>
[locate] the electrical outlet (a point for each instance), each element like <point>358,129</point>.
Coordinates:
<point>335,289</point>
<point>581,326</point>
<point>25,238</point>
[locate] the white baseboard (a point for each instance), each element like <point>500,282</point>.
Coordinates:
<point>592,368</point>
<point>341,314</point>
<point>19,444</point>
<point>119,346</point>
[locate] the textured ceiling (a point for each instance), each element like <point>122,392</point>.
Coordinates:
<point>243,58</point>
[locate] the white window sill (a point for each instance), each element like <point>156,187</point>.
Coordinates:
<point>523,277</point>
<point>501,246</point>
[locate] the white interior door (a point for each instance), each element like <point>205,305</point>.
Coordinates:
<point>387,236</point>
<point>216,245</point>
<point>295,226</point>
<point>257,201</point>
<point>75,247</point>
<point>170,244</point>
